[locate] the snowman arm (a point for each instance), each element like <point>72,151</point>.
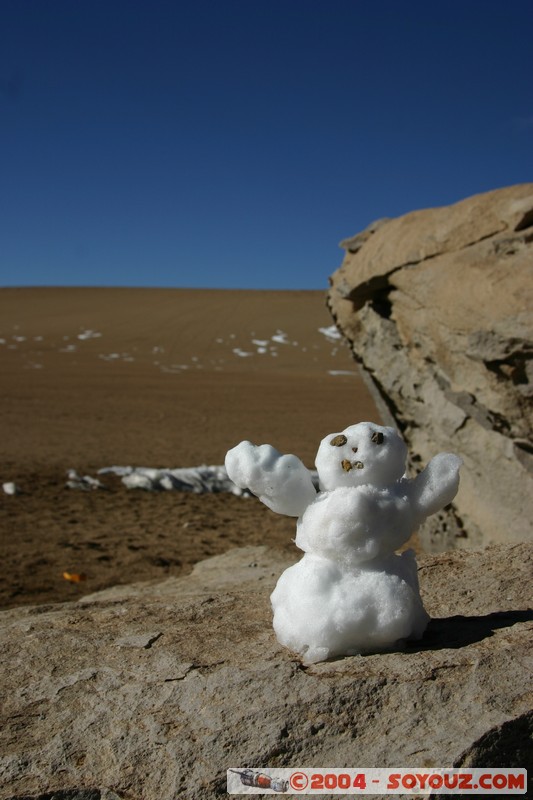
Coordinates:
<point>281,482</point>
<point>435,486</point>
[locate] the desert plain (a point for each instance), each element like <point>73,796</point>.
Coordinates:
<point>93,378</point>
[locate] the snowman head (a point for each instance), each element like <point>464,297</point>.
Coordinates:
<point>362,453</point>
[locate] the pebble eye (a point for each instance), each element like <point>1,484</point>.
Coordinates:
<point>377,437</point>
<point>354,449</point>
<point>338,441</point>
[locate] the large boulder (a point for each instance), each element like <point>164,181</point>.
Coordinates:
<point>154,690</point>
<point>438,308</point>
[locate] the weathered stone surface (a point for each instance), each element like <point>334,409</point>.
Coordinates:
<point>153,690</point>
<point>438,308</point>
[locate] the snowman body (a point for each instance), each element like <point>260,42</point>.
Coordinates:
<point>347,595</point>
<point>350,593</point>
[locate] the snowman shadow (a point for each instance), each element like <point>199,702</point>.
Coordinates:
<point>460,631</point>
<point>446,633</point>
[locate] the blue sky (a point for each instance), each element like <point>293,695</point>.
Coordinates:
<point>233,143</point>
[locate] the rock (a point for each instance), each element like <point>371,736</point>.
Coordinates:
<point>154,690</point>
<point>354,243</point>
<point>437,306</point>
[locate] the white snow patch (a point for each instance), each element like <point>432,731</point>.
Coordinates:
<point>199,480</point>
<point>332,334</point>
<point>174,368</point>
<point>241,353</point>
<point>116,357</point>
<point>205,479</point>
<point>88,334</point>
<point>85,482</point>
<point>280,337</point>
<point>341,372</point>
<point>11,488</point>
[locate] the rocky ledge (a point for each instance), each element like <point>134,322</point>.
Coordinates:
<point>437,306</point>
<point>154,690</point>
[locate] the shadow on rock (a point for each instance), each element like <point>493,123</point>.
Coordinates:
<point>460,631</point>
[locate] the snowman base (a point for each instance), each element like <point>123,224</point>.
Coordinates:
<point>325,609</point>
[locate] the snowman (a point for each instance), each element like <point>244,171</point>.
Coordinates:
<point>350,593</point>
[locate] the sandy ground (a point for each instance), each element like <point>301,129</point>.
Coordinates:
<point>147,377</point>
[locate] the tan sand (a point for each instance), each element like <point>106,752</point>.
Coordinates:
<point>155,380</point>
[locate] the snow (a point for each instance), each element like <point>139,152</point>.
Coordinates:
<point>270,345</point>
<point>202,479</point>
<point>332,334</point>
<point>350,593</point>
<point>10,488</point>
<point>240,346</point>
<point>199,480</point>
<point>241,353</point>
<point>280,337</point>
<point>116,357</point>
<point>174,368</point>
<point>89,334</point>
<point>85,482</point>
<point>261,345</point>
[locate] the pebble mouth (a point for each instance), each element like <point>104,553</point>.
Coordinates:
<point>348,465</point>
